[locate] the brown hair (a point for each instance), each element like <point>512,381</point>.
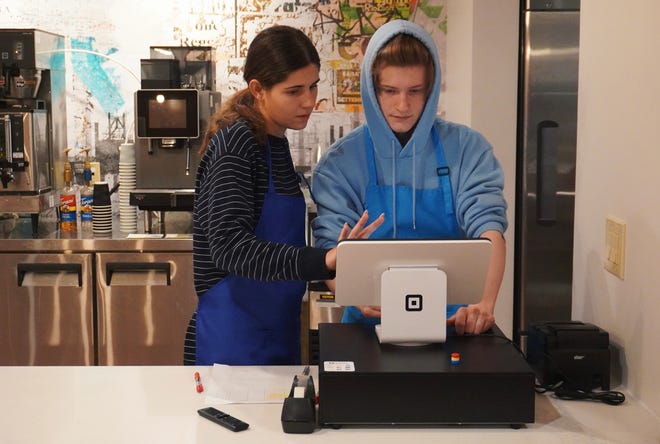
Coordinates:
<point>274,53</point>
<point>404,50</point>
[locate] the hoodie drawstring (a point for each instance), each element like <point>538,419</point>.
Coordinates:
<point>393,190</point>
<point>414,194</point>
<point>413,185</point>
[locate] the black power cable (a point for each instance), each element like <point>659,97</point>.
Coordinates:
<point>563,390</point>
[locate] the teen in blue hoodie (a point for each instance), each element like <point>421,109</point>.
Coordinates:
<point>431,178</point>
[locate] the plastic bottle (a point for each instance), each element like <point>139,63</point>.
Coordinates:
<point>68,204</point>
<point>86,195</point>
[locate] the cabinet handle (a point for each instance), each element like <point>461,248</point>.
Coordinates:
<point>23,269</point>
<point>112,267</point>
<point>9,146</point>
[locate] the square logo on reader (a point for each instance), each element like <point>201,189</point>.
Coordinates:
<point>413,302</point>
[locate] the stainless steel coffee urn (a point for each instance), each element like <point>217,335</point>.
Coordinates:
<point>32,119</point>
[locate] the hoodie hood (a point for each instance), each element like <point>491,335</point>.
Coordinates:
<point>383,137</point>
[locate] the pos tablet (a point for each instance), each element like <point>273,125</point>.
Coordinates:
<point>412,280</point>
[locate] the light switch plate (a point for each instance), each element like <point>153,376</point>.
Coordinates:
<point>615,246</point>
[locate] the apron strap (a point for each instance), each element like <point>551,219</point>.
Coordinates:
<point>271,184</point>
<point>443,172</point>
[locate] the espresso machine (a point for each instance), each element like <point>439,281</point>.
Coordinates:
<point>172,111</point>
<point>32,119</point>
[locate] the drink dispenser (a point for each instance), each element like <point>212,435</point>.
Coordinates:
<point>24,157</point>
<point>32,135</point>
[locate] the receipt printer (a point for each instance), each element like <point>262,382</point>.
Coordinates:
<point>572,352</point>
<point>299,408</point>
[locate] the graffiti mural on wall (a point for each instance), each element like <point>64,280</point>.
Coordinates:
<point>340,30</point>
<point>106,44</point>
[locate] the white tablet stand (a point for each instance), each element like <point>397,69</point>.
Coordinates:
<point>413,306</point>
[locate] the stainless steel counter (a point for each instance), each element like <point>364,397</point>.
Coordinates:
<point>50,239</point>
<point>92,244</point>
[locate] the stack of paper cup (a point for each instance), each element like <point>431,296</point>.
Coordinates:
<point>127,181</point>
<point>101,209</point>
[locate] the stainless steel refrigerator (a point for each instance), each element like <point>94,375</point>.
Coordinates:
<point>545,176</point>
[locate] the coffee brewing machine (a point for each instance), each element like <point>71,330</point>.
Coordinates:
<point>32,119</point>
<point>172,111</point>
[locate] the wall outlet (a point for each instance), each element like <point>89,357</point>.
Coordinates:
<point>615,246</point>
<point>96,172</point>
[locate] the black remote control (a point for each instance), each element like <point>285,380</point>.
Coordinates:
<point>225,420</point>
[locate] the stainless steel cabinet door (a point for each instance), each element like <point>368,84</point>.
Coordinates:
<point>47,309</point>
<point>145,301</point>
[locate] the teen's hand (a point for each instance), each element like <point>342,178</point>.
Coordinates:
<point>473,319</point>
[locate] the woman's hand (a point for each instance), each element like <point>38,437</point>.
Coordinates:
<point>359,231</point>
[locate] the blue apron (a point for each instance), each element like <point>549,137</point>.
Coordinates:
<point>242,321</point>
<point>435,217</point>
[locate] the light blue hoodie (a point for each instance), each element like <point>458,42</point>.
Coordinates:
<point>340,179</point>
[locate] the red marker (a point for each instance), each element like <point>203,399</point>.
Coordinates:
<point>198,383</point>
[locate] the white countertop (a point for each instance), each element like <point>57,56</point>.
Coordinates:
<point>159,405</point>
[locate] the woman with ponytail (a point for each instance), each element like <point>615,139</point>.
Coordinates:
<point>250,260</point>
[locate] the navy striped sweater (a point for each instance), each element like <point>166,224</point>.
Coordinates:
<point>230,185</point>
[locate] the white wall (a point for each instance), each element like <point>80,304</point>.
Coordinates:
<point>482,59</point>
<point>618,158</point>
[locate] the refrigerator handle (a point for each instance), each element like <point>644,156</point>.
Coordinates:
<point>112,267</point>
<point>546,175</point>
<point>23,269</point>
